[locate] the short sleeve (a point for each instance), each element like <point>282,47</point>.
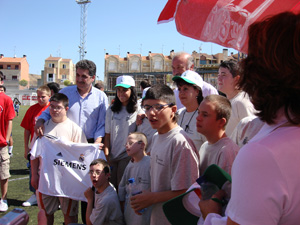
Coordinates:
<point>108,118</point>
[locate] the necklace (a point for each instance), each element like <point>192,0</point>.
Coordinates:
<point>187,126</point>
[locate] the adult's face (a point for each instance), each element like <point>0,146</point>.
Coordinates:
<point>179,65</point>
<point>83,79</point>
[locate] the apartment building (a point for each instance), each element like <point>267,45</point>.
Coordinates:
<point>57,69</point>
<point>14,69</point>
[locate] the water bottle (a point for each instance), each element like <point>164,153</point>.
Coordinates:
<point>134,189</point>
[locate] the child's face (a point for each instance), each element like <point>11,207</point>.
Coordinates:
<point>57,110</point>
<point>207,122</point>
<point>97,175</point>
<point>1,89</point>
<point>133,146</point>
<point>161,115</point>
<point>123,95</point>
<point>43,98</point>
<point>188,94</point>
<point>226,83</point>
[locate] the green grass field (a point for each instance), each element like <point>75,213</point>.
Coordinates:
<point>18,189</point>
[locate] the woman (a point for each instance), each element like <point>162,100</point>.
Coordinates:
<point>189,85</point>
<point>266,172</point>
<point>119,122</point>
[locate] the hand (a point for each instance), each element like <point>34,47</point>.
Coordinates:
<point>39,127</point>
<point>27,150</point>
<point>210,206</point>
<point>89,194</point>
<point>35,181</point>
<point>141,201</point>
<point>139,119</point>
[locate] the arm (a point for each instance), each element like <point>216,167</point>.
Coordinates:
<point>146,199</point>
<point>34,173</point>
<point>26,142</point>
<point>8,130</point>
<point>139,119</point>
<point>89,194</point>
<point>107,145</point>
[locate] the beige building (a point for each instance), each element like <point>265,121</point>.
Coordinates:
<point>14,69</point>
<point>158,67</point>
<point>57,69</point>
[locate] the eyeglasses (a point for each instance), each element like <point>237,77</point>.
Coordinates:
<point>156,107</point>
<point>56,108</point>
<point>97,172</point>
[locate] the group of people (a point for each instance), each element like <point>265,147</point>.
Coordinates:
<point>250,131</point>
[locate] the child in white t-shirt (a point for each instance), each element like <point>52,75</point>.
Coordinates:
<point>213,115</point>
<point>139,169</point>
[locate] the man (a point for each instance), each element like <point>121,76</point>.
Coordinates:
<point>87,104</point>
<point>7,114</point>
<point>181,62</point>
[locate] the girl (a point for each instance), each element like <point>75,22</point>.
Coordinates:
<point>119,123</point>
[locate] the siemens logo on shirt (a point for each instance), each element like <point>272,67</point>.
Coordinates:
<point>69,164</point>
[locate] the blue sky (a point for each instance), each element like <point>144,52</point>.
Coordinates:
<point>40,28</point>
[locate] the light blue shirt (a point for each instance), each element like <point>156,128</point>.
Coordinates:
<point>88,113</point>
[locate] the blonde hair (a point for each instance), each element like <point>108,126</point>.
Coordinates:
<point>45,89</point>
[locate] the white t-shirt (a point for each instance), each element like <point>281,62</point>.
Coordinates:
<point>119,125</point>
<point>246,129</point>
<point>64,166</point>
<point>107,209</point>
<point>174,166</point>
<point>187,121</point>
<point>221,153</point>
<point>266,178</point>
<point>140,171</point>
<point>240,107</point>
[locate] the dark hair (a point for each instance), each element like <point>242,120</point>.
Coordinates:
<point>270,73</point>
<point>180,82</point>
<point>131,106</point>
<point>99,85</point>
<point>102,162</point>
<point>60,97</point>
<point>145,83</point>
<point>1,76</point>
<point>164,93</point>
<point>54,87</point>
<point>4,88</point>
<point>232,66</point>
<point>222,106</point>
<point>87,65</point>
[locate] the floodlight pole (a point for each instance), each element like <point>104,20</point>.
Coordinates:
<point>83,16</point>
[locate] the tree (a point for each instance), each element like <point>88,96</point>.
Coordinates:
<point>23,82</point>
<point>67,82</point>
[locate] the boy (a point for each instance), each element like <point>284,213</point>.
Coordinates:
<point>59,126</point>
<point>213,115</point>
<point>174,158</point>
<point>103,205</point>
<point>28,123</point>
<point>139,169</point>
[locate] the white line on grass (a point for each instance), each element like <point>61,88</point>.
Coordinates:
<point>20,178</point>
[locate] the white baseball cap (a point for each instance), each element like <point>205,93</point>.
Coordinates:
<point>190,77</point>
<point>125,81</point>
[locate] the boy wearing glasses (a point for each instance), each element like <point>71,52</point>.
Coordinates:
<point>174,157</point>
<point>58,126</point>
<point>139,169</point>
<point>28,123</point>
<point>103,203</point>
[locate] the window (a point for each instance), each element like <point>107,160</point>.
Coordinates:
<point>157,65</point>
<point>50,77</point>
<point>111,66</point>
<point>14,77</point>
<point>64,76</point>
<point>51,65</point>
<point>134,66</point>
<point>8,67</point>
<point>64,66</point>
<point>1,66</point>
<point>16,67</point>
